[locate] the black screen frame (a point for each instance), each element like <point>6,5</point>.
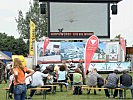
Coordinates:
<point>79,37</point>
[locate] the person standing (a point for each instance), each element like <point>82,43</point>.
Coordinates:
<point>125,83</point>
<point>80,65</point>
<point>11,83</point>
<point>8,67</point>
<point>19,79</point>
<point>112,82</point>
<point>71,68</point>
<point>2,72</point>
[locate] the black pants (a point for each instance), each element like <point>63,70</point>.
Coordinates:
<point>108,94</point>
<point>71,79</point>
<point>32,92</point>
<point>61,85</point>
<point>11,89</point>
<point>121,93</point>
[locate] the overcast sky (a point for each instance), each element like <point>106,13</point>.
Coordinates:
<point>122,23</point>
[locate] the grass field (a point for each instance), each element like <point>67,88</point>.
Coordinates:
<point>67,95</point>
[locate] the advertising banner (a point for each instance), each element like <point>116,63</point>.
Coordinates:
<point>46,42</point>
<point>58,51</point>
<point>32,38</point>
<point>100,54</point>
<point>72,50</point>
<point>109,66</point>
<point>123,46</point>
<point>52,52</point>
<point>112,51</point>
<point>90,49</point>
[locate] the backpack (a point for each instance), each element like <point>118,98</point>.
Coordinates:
<point>100,81</point>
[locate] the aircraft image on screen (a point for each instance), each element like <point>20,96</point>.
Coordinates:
<point>78,20</point>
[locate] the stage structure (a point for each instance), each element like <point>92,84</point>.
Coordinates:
<point>78,20</point>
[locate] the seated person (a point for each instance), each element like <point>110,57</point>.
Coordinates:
<point>126,83</point>
<point>112,82</point>
<point>61,77</point>
<point>77,77</point>
<point>77,80</point>
<point>92,79</point>
<point>37,80</point>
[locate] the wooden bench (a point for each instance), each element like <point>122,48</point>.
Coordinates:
<point>44,91</point>
<point>50,85</point>
<point>96,88</point>
<point>38,88</point>
<point>59,83</point>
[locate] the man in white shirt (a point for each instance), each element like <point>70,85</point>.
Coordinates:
<point>37,80</point>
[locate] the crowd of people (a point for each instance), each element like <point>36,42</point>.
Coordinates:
<point>21,78</point>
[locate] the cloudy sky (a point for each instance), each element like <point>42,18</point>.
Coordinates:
<point>8,11</point>
<point>122,23</point>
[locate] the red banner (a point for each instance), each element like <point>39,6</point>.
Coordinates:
<point>123,46</point>
<point>90,49</point>
<point>46,42</point>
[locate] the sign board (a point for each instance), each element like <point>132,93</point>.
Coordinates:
<point>21,57</point>
<point>110,66</point>
<point>90,49</point>
<point>58,51</point>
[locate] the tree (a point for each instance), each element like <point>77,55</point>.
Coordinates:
<point>16,46</point>
<point>34,15</point>
<point>118,37</point>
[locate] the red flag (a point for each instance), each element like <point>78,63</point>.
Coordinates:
<point>122,42</point>
<point>90,49</point>
<point>46,42</point>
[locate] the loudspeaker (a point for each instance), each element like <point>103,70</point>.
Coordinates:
<point>114,9</point>
<point>43,8</point>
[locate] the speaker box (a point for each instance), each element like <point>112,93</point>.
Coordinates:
<point>114,9</point>
<point>43,8</point>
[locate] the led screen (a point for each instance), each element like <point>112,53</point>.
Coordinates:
<point>78,20</point>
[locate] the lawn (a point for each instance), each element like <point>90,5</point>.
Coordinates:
<point>67,95</point>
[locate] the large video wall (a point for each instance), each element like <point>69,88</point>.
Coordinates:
<point>78,20</point>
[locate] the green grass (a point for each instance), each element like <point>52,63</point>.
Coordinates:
<point>67,95</point>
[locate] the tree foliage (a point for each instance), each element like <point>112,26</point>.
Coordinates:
<point>118,37</point>
<point>34,15</point>
<point>16,46</point>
